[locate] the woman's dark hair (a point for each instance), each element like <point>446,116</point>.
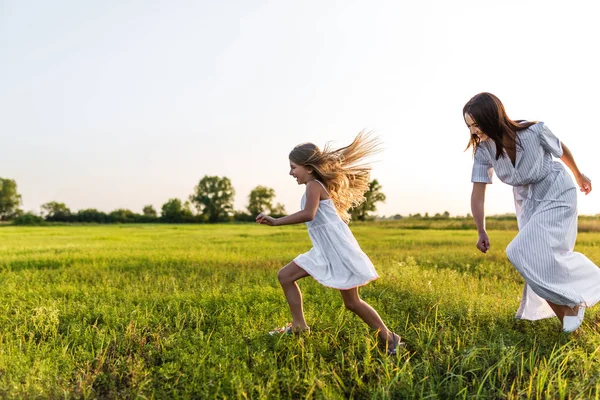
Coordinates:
<point>488,113</point>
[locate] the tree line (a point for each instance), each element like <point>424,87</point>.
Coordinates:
<point>210,202</point>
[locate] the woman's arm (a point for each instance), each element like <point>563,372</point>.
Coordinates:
<point>313,196</point>
<point>584,183</point>
<point>477,208</point>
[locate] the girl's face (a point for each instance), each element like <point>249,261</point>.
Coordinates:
<point>474,128</point>
<point>302,174</point>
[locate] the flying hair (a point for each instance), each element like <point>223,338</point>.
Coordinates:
<point>344,171</point>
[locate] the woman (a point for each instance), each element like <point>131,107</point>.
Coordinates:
<point>559,282</point>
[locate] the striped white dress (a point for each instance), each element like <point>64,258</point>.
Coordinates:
<point>546,207</point>
<point>336,260</point>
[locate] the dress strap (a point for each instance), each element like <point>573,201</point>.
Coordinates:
<point>321,183</point>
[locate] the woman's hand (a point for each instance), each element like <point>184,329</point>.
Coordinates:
<point>584,183</point>
<point>483,243</point>
<point>266,219</point>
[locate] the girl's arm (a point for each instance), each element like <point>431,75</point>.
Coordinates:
<point>477,208</point>
<point>584,183</point>
<point>313,196</point>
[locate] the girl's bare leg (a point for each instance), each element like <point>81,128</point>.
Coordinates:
<point>358,306</point>
<point>288,276</point>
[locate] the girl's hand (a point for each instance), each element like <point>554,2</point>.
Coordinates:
<point>266,219</point>
<point>483,243</point>
<point>584,183</point>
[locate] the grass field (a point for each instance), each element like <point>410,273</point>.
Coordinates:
<point>176,311</point>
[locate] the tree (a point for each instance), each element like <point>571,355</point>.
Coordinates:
<point>213,197</point>
<point>55,211</point>
<point>149,211</point>
<point>91,215</point>
<point>122,215</point>
<point>372,197</point>
<point>10,200</point>
<point>28,218</point>
<point>260,200</point>
<point>176,211</point>
<point>187,210</point>
<point>278,210</point>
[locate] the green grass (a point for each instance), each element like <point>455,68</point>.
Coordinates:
<point>175,311</point>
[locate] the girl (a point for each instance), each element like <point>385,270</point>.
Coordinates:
<point>559,282</point>
<point>336,181</point>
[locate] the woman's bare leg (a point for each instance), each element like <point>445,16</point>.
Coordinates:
<point>562,310</point>
<point>288,276</point>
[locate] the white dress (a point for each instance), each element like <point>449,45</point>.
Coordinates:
<point>546,208</point>
<point>336,259</point>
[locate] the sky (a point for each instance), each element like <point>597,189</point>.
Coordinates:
<point>112,104</point>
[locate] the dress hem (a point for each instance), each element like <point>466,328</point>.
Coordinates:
<point>333,287</point>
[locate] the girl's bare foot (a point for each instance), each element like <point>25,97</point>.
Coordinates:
<point>288,329</point>
<point>395,344</point>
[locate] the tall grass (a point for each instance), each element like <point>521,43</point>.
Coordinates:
<point>171,311</point>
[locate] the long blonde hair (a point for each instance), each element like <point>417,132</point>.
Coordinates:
<point>343,171</point>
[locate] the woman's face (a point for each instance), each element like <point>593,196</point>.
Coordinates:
<point>474,128</point>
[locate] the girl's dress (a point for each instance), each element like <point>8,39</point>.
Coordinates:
<point>546,207</point>
<point>336,259</point>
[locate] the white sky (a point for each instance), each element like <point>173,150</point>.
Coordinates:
<point>111,104</point>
